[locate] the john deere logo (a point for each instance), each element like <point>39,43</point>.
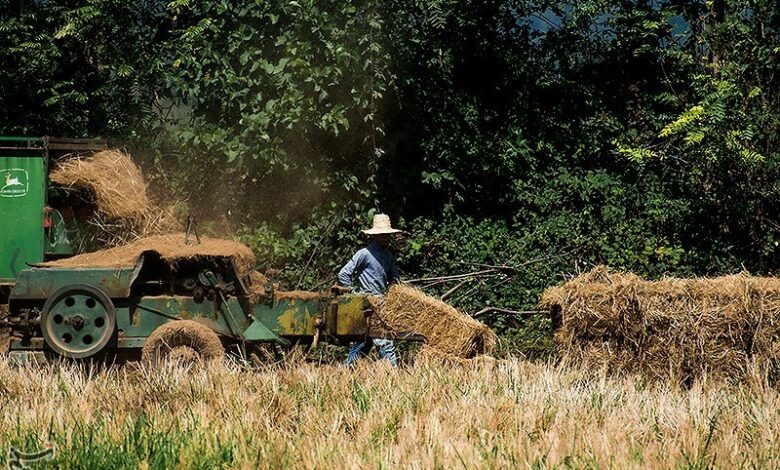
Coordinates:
<point>13,182</point>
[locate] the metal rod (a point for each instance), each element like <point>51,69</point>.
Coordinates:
<point>506,311</point>
<point>316,247</point>
<point>455,276</point>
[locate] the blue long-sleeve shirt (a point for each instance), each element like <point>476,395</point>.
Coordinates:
<point>374,267</point>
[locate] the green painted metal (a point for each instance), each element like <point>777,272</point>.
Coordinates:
<point>40,283</point>
<point>16,139</point>
<point>296,317</point>
<point>293,317</point>
<point>21,345</point>
<point>56,238</point>
<point>22,199</point>
<point>24,164</point>
<point>351,319</point>
<point>257,331</point>
<point>123,342</point>
<point>78,321</point>
<point>139,317</point>
<point>26,358</point>
<point>282,319</point>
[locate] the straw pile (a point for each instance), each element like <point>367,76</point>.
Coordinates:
<point>114,185</point>
<point>430,355</point>
<point>672,328</point>
<point>256,284</point>
<point>445,329</point>
<point>5,332</point>
<point>170,248</point>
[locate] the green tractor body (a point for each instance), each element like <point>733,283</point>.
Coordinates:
<point>28,236</point>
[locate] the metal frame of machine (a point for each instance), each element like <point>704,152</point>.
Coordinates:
<point>91,312</point>
<point>80,313</point>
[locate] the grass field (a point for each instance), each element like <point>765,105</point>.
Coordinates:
<point>508,414</point>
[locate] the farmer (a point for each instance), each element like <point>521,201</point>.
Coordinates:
<point>375,269</point>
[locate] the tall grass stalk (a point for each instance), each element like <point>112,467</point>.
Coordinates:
<point>507,414</point>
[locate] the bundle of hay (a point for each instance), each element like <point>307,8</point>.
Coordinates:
<point>170,248</point>
<point>114,185</point>
<point>671,328</point>
<point>445,329</point>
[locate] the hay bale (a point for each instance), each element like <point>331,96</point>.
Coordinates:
<point>185,341</point>
<point>114,185</point>
<point>670,328</point>
<point>445,329</point>
<point>170,248</point>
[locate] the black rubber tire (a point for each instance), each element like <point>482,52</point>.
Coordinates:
<point>173,340</point>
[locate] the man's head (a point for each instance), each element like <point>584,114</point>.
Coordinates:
<point>384,239</point>
<point>381,230</point>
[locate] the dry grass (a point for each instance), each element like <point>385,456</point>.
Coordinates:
<point>111,182</point>
<point>5,332</point>
<point>111,176</point>
<point>506,415</point>
<point>670,328</point>
<point>170,247</point>
<point>445,329</point>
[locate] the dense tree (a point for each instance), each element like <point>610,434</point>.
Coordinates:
<point>638,133</point>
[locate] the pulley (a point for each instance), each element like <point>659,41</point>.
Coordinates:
<point>78,321</point>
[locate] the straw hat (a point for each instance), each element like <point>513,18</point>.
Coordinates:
<point>381,225</point>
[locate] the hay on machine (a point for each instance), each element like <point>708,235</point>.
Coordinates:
<point>171,248</point>
<point>671,328</point>
<point>114,186</point>
<point>445,329</point>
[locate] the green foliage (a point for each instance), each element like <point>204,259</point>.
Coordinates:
<point>639,134</point>
<point>77,69</point>
<point>277,96</point>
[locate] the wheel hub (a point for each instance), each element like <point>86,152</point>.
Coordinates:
<point>78,321</point>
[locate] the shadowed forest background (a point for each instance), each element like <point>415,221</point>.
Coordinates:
<point>638,134</point>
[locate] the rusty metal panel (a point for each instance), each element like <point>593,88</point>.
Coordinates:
<point>40,283</point>
<point>296,317</point>
<point>144,315</point>
<point>350,316</point>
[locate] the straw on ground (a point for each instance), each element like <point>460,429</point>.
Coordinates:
<point>505,415</point>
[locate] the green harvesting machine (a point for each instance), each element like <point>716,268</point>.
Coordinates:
<point>201,306</point>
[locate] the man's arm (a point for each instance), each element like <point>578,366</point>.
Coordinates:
<point>346,273</point>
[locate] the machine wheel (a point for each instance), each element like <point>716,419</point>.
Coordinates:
<point>184,341</point>
<point>78,321</point>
